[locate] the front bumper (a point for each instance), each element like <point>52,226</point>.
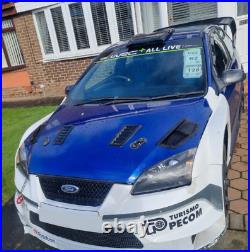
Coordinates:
<point>189,217</point>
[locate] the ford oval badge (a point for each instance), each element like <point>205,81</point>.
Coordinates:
<point>70,189</point>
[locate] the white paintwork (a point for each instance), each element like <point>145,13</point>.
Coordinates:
<point>164,14</point>
<point>242,41</point>
<point>226,9</point>
<point>34,126</point>
<point>119,200</point>
<point>138,17</point>
<point>29,6</point>
<point>213,136</point>
<point>206,170</point>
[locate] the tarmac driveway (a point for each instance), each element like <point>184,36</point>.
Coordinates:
<point>13,237</point>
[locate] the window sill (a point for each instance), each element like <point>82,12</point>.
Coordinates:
<point>72,56</point>
<point>8,69</point>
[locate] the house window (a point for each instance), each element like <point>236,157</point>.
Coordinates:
<point>69,30</point>
<point>44,32</point>
<point>79,25</point>
<point>124,20</point>
<point>100,19</point>
<point>184,12</point>
<point>150,12</point>
<point>60,29</point>
<point>242,9</point>
<point>12,57</point>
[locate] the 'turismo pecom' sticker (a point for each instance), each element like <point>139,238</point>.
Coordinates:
<point>192,63</point>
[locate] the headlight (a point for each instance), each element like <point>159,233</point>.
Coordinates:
<point>21,160</point>
<point>173,172</point>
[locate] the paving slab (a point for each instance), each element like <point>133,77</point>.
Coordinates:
<point>232,240</point>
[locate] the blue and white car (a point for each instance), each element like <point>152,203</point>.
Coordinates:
<point>144,136</point>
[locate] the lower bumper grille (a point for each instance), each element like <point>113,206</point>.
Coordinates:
<point>91,193</point>
<point>112,240</point>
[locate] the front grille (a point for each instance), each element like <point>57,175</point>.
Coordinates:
<point>113,240</point>
<point>91,193</point>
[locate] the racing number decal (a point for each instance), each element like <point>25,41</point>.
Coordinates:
<point>192,67</point>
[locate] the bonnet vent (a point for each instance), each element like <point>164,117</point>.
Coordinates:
<point>62,134</point>
<point>34,135</point>
<point>124,135</point>
<point>183,131</point>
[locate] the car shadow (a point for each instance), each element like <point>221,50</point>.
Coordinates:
<point>13,236</point>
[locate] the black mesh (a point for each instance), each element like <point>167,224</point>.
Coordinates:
<point>91,193</point>
<point>62,134</point>
<point>113,240</point>
<point>124,135</point>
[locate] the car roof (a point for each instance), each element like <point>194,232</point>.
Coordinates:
<point>198,28</point>
<point>164,34</point>
<point>188,28</point>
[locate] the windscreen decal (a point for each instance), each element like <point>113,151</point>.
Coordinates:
<point>192,67</point>
<point>148,51</point>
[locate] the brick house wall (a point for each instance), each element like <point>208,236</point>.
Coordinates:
<point>54,75</point>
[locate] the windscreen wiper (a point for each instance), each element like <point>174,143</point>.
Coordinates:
<point>113,100</point>
<point>127,99</point>
<point>178,95</point>
<point>116,100</point>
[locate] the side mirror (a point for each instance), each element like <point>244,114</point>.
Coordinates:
<point>68,89</point>
<point>233,76</point>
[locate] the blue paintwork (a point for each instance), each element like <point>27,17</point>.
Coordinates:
<point>87,152</point>
<point>210,81</point>
<point>234,94</point>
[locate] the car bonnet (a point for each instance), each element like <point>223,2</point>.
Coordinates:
<point>113,142</point>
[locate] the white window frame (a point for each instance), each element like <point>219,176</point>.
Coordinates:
<point>74,52</point>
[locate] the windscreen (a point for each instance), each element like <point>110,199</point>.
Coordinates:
<point>176,68</point>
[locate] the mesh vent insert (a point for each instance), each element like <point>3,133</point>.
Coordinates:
<point>112,240</point>
<point>62,134</point>
<point>124,135</point>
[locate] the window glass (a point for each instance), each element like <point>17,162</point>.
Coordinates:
<point>79,26</point>
<point>11,51</point>
<point>124,20</point>
<point>101,73</point>
<point>150,14</point>
<point>60,29</point>
<point>228,42</point>
<point>44,32</point>
<point>101,24</point>
<point>184,12</point>
<point>73,37</point>
<point>220,60</point>
<point>242,8</point>
<point>177,68</point>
